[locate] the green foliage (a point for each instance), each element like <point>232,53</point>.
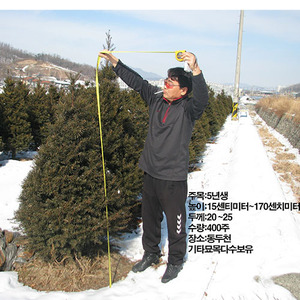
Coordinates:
<point>72,87</point>
<point>41,108</point>
<point>24,116</point>
<point>210,123</point>
<point>15,128</point>
<point>62,204</point>
<point>199,138</point>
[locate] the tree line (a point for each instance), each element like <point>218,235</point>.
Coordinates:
<point>62,204</point>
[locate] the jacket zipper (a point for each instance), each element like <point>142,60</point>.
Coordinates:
<point>166,113</point>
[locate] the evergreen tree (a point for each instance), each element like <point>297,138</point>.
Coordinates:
<point>212,112</point>
<point>39,114</point>
<point>205,124</point>
<point>200,136</point>
<point>226,101</point>
<point>1,124</point>
<point>223,107</point>
<point>132,124</point>
<point>62,205</point>
<point>211,121</point>
<point>72,87</point>
<point>16,131</point>
<point>124,131</point>
<point>53,97</point>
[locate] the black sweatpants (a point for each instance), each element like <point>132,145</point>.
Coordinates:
<point>169,197</point>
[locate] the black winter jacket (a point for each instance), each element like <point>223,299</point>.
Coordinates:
<point>166,150</point>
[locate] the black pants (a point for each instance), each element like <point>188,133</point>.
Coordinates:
<point>169,197</point>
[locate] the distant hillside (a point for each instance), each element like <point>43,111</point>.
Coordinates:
<point>148,75</point>
<point>17,62</point>
<point>292,88</point>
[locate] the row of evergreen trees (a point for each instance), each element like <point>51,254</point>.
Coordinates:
<point>62,205</point>
<point>211,121</point>
<point>24,116</point>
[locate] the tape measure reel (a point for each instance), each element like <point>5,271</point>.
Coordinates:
<point>178,55</point>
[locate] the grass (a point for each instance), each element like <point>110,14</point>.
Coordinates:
<point>282,105</point>
<point>73,275</point>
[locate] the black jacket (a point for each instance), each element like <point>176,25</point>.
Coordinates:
<point>166,150</point>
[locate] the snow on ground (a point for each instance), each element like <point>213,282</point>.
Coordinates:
<point>237,164</point>
<point>12,173</point>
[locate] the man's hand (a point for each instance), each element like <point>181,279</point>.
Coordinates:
<point>191,59</point>
<point>105,54</point>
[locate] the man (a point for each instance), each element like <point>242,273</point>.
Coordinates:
<point>165,157</point>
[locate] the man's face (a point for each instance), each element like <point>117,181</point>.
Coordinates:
<point>172,90</point>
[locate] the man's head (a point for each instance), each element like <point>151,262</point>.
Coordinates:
<point>178,84</point>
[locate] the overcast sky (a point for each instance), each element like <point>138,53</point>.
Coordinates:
<point>270,48</point>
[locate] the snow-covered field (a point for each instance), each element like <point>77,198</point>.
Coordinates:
<point>237,164</point>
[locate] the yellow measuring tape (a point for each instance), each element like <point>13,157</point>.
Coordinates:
<point>178,55</point>
<point>103,166</point>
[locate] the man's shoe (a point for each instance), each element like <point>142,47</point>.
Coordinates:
<point>171,272</point>
<point>147,260</point>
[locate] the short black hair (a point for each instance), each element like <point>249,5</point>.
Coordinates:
<point>184,78</point>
